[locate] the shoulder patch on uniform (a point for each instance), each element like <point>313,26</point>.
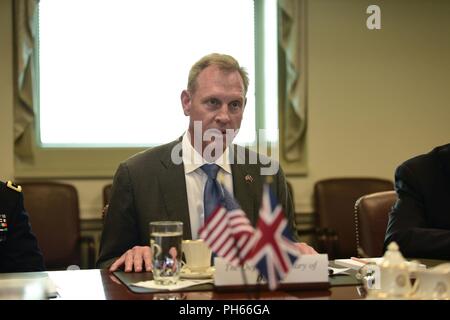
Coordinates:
<point>11,185</point>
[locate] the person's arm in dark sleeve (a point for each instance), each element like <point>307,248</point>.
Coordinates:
<point>408,223</point>
<point>21,251</point>
<point>120,232</point>
<point>284,197</point>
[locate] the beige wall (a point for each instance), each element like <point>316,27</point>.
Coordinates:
<point>375,98</point>
<point>6,92</point>
<point>378,97</point>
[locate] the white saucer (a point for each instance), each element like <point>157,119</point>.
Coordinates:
<point>186,273</point>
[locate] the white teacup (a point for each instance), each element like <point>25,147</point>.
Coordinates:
<point>433,283</point>
<point>197,255</point>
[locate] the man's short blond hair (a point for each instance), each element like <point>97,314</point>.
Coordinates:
<point>223,61</point>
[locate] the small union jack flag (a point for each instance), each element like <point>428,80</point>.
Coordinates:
<point>274,251</point>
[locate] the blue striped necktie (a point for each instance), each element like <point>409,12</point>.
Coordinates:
<point>212,192</point>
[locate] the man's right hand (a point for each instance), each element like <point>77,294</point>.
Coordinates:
<point>136,259</point>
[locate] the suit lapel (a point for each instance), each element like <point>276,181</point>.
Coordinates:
<point>444,158</point>
<point>173,186</point>
<point>245,187</point>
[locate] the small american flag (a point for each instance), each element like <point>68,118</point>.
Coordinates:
<point>228,232</point>
<point>274,251</point>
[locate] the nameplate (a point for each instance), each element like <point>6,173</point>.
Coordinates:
<point>308,269</point>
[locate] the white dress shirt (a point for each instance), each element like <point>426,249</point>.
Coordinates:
<point>196,181</point>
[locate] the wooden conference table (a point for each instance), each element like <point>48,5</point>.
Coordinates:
<point>99,284</point>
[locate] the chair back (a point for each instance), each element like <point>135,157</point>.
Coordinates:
<point>334,205</point>
<point>371,219</point>
<point>106,198</point>
<point>106,194</point>
<point>55,219</point>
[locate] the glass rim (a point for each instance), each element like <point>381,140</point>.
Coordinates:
<point>193,241</point>
<point>166,223</point>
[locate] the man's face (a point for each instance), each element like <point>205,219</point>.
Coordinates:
<point>218,103</point>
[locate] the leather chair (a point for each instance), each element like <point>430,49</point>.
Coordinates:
<point>334,201</point>
<point>106,194</point>
<point>371,219</point>
<point>55,219</point>
<point>106,198</point>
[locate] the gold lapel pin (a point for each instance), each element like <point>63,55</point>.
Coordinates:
<point>248,178</point>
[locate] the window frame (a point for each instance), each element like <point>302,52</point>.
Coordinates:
<point>90,162</point>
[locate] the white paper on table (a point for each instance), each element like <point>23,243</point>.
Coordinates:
<point>360,262</point>
<point>179,285</point>
<point>337,271</point>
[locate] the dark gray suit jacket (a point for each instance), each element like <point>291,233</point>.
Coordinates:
<point>420,220</point>
<point>150,187</point>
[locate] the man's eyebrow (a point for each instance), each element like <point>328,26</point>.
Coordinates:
<point>211,97</point>
<point>240,99</point>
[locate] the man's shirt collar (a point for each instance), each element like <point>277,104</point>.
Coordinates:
<point>193,160</point>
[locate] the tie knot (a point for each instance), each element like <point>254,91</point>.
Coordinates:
<point>211,170</point>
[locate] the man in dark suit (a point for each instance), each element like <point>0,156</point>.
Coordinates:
<point>168,182</point>
<point>19,250</point>
<point>420,220</point>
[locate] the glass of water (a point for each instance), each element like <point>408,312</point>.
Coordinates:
<point>165,242</point>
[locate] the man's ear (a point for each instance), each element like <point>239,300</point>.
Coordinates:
<point>186,102</point>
